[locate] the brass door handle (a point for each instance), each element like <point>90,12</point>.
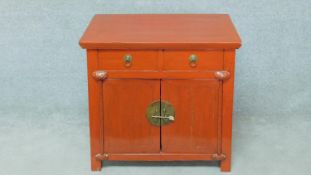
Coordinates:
<point>172,118</point>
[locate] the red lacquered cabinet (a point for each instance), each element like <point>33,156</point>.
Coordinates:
<point>161,87</point>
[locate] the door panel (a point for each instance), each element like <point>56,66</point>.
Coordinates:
<point>126,128</point>
<point>196,103</point>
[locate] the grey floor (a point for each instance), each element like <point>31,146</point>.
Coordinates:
<point>52,144</point>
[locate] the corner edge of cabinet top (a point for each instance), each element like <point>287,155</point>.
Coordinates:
<point>161,31</point>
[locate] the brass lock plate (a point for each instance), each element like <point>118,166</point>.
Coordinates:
<point>160,113</point>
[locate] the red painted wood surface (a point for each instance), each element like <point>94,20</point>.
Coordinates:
<point>95,111</point>
<point>160,157</point>
<point>227,109</point>
<point>195,129</point>
<point>160,46</point>
<point>158,31</point>
<point>141,60</point>
<point>179,60</point>
<point>126,128</point>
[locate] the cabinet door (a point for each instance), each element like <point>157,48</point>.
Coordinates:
<point>197,112</point>
<point>126,128</point>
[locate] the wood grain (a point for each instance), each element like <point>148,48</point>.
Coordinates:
<point>94,88</point>
<point>160,31</point>
<point>141,60</point>
<point>159,157</point>
<point>179,60</point>
<point>227,110</point>
<point>195,127</point>
<point>126,128</point>
<point>160,46</point>
<point>161,74</point>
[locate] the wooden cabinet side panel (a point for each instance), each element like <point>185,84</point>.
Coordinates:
<point>94,109</point>
<point>227,109</point>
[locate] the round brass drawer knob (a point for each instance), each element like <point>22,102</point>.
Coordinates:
<point>127,60</point>
<point>193,60</point>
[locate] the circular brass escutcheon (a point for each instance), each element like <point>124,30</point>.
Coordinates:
<point>160,113</point>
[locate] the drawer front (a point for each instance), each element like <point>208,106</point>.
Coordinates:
<point>128,60</point>
<point>193,60</point>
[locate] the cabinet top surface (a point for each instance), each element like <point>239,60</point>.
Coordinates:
<point>160,31</point>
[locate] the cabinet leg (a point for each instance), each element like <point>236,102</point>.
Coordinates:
<point>96,165</point>
<point>225,165</point>
<point>227,110</point>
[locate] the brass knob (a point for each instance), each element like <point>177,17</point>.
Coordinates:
<point>127,60</point>
<point>193,60</point>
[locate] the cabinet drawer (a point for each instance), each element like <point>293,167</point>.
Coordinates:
<point>128,60</point>
<point>193,60</point>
